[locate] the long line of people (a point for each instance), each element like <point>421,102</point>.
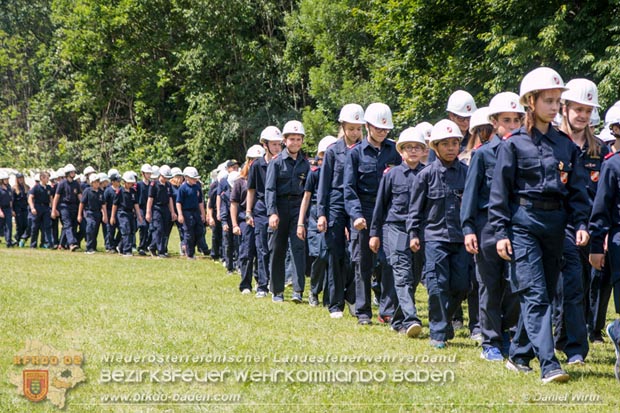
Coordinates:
<point>493,206</point>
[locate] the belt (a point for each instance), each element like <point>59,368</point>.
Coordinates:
<point>290,196</point>
<point>544,205</point>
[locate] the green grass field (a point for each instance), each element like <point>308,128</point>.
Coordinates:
<point>106,306</point>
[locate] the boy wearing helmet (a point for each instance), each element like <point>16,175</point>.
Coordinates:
<point>191,210</point>
<point>6,209</point>
<point>364,167</point>
<point>434,209</point>
<point>256,210</point>
<point>125,205</point>
<point>284,186</point>
<point>461,107</point>
<point>142,189</point>
<point>389,223</point>
<point>535,188</point>
<point>66,203</point>
<point>499,307</point>
<point>93,211</point>
<point>113,235</point>
<point>160,212</point>
<point>39,199</point>
<point>332,216</point>
<point>20,208</point>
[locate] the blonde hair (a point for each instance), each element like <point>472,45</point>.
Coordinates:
<point>594,145</point>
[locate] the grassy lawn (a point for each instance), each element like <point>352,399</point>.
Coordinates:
<point>106,306</point>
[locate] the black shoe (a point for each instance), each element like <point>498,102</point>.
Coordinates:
<point>363,321</point>
<point>518,366</point>
<point>141,252</point>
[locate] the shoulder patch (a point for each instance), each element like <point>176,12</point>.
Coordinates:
<point>386,170</point>
<point>314,168</point>
<point>118,191</point>
<point>478,146</point>
<point>507,136</point>
<point>609,155</point>
<point>153,183</point>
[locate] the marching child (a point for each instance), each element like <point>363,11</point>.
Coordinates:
<point>93,210</point>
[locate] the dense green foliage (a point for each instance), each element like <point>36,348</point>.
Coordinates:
<point>119,82</point>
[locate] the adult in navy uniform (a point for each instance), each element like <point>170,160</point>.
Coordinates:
<point>66,202</point>
<point>93,211</point>
<point>39,199</point>
<point>389,224</point>
<point>6,209</point>
<point>332,216</point>
<point>284,187</point>
<point>364,168</point>
<point>571,335</point>
<point>143,197</point>
<point>228,238</point>
<point>256,209</point>
<point>605,230</point>
<point>125,210</point>
<point>191,210</point>
<point>535,187</point>
<point>213,220</point>
<point>20,207</point>
<point>499,307</point>
<point>160,212</point>
<point>113,235</point>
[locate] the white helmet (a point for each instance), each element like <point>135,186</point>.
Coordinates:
<point>445,129</point>
<point>505,102</point>
<point>60,172</point>
<point>352,113</point>
<point>69,168</point>
<point>293,127</point>
<point>93,177</point>
<point>146,168</point>
<point>425,128</point>
<point>221,175</point>
<point>191,172</point>
<point>37,177</point>
<point>53,175</point>
<point>581,91</point>
<point>177,171</point>
<point>255,151</point>
<point>129,177</point>
<point>612,116</point>
<point>479,118</point>
<point>113,171</point>
<point>232,177</point>
<point>595,117</point>
<point>324,143</point>
<point>222,166</point>
<point>103,177</point>
<point>413,135</point>
<point>165,171</point>
<point>542,78</point>
<point>88,170</point>
<point>461,103</point>
<point>379,115</point>
<point>270,133</point>
<point>4,175</point>
<point>606,135</point>
<point>154,172</point>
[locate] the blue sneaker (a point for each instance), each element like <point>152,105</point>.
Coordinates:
<point>278,298</point>
<point>612,332</point>
<point>491,354</point>
<point>438,344</point>
<point>576,360</point>
<point>297,299</point>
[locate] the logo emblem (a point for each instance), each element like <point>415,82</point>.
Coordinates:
<point>449,129</point>
<point>594,175</point>
<point>556,80</point>
<point>513,105</point>
<point>564,177</point>
<point>589,97</point>
<point>469,108</point>
<point>357,117</point>
<point>384,121</point>
<point>35,384</point>
<point>295,128</point>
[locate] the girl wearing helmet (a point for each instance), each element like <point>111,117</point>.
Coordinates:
<point>497,316</point>
<point>332,217</point>
<point>20,207</point>
<point>124,206</point>
<point>6,209</point>
<point>39,199</point>
<point>535,188</point>
<point>579,101</point>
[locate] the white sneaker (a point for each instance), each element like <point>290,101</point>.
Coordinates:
<point>261,294</point>
<point>336,314</point>
<point>246,291</point>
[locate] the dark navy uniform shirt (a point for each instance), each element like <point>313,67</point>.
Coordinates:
<point>436,202</point>
<point>69,192</point>
<point>175,191</point>
<point>92,200</point>
<point>592,164</point>
<point>143,193</point>
<point>330,193</point>
<point>256,178</point>
<point>125,200</point>
<point>212,196</point>
<point>41,194</point>
<point>541,168</point>
<point>190,196</point>
<point>364,168</point>
<point>108,197</point>
<point>6,196</point>
<point>312,183</point>
<point>478,185</point>
<point>393,198</point>
<point>161,193</point>
<point>286,177</point>
<point>20,200</point>
<point>606,208</point>
<point>238,194</point>
<point>222,186</point>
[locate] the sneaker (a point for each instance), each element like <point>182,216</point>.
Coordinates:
<point>384,319</point>
<point>576,360</point>
<point>414,330</point>
<point>491,354</point>
<point>141,252</point>
<point>246,291</point>
<point>261,294</point>
<point>557,375</point>
<point>89,252</point>
<point>278,298</point>
<point>21,243</point>
<point>163,256</point>
<point>364,321</point>
<point>596,338</point>
<point>127,255</point>
<point>336,314</point>
<point>457,324</point>
<point>288,283</point>
<point>297,299</point>
<point>438,344</point>
<point>477,337</point>
<point>612,329</point>
<point>519,367</point>
<point>74,247</point>
<point>313,300</point>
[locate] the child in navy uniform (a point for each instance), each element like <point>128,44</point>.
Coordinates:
<point>123,210</point>
<point>435,208</point>
<point>93,210</point>
<point>39,199</point>
<point>191,209</point>
<point>160,212</point>
<point>6,209</point>
<point>20,208</point>
<point>389,223</point>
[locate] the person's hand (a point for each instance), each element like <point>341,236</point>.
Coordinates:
<point>471,243</point>
<point>321,224</point>
<point>181,219</point>
<point>236,230</point>
<point>414,244</point>
<point>33,211</point>
<point>359,224</point>
<point>582,237</point>
<point>597,261</point>
<point>301,232</point>
<point>374,244</point>
<point>504,249</point>
<point>274,220</point>
<point>148,217</point>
